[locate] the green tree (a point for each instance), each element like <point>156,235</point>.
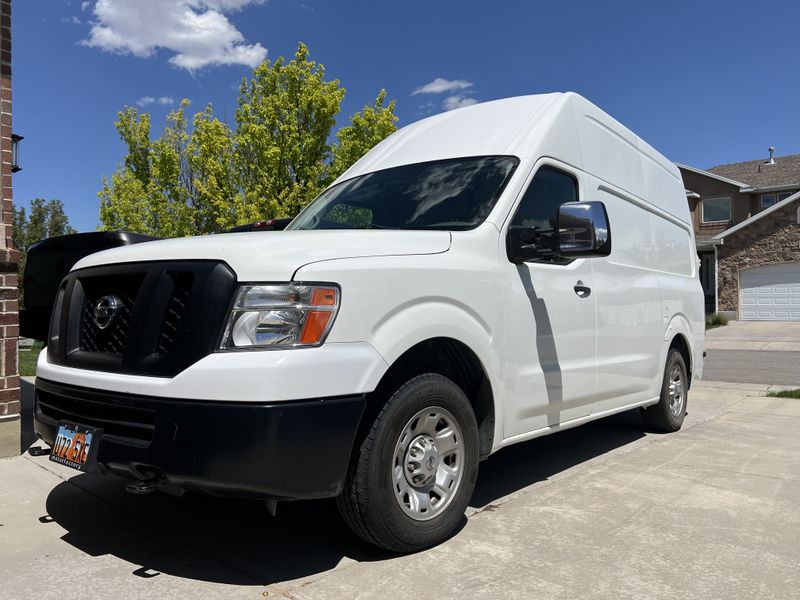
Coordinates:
<point>278,156</point>
<point>285,116</point>
<point>367,128</point>
<point>46,219</point>
<point>151,190</point>
<point>214,179</point>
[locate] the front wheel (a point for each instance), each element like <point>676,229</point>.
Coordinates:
<point>668,414</point>
<point>412,477</point>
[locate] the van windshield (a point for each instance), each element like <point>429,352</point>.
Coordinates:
<point>455,194</point>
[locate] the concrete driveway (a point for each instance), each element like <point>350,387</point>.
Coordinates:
<point>755,335</point>
<point>602,511</point>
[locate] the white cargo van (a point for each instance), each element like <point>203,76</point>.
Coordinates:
<point>482,277</point>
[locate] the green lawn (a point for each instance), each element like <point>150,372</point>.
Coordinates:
<point>27,359</point>
<point>785,394</point>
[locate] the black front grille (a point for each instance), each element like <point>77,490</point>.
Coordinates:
<point>125,422</point>
<point>111,339</point>
<point>166,316</point>
<point>170,326</point>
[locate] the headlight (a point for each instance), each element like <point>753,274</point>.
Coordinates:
<point>280,316</point>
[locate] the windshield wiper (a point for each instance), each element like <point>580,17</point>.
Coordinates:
<point>443,224</point>
<point>376,226</point>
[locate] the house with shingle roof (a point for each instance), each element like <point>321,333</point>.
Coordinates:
<point>746,219</point>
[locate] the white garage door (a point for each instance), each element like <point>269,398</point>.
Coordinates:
<point>770,293</point>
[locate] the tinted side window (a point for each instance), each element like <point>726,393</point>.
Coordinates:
<point>549,189</point>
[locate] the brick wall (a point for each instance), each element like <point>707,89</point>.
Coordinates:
<point>770,240</point>
<point>9,257</point>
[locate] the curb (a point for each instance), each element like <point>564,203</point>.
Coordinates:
<point>749,345</point>
<point>760,388</point>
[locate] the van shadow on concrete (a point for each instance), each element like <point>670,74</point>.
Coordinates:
<point>237,542</point>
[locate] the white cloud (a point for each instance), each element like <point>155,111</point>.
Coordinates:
<point>426,109</point>
<point>162,100</point>
<point>86,5</point>
<point>225,5</point>
<point>457,101</point>
<point>73,20</point>
<point>197,31</point>
<point>440,85</point>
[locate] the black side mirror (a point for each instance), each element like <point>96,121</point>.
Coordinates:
<point>529,243</point>
<point>583,230</point>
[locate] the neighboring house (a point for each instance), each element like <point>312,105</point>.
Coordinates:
<point>746,219</point>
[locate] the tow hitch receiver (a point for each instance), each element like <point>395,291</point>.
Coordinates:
<point>142,487</point>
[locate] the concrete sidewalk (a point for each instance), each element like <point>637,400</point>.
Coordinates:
<point>601,511</point>
<point>755,335</point>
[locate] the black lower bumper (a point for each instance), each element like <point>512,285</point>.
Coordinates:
<point>284,450</point>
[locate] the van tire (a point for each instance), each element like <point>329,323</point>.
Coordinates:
<point>375,502</point>
<point>668,414</point>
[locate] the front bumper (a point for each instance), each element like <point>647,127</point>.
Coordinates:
<point>284,450</point>
<point>331,370</point>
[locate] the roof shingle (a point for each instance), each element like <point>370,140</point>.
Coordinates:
<point>785,172</point>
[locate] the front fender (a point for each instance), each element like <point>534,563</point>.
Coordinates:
<point>395,303</point>
<point>413,323</point>
<point>424,318</point>
<point>416,322</point>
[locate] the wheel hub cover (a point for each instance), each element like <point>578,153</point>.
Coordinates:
<point>428,463</point>
<point>422,461</point>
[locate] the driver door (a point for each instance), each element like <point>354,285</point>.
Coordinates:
<point>551,323</point>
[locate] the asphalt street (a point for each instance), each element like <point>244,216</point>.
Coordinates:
<point>753,366</point>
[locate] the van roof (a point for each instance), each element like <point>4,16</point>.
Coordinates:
<point>565,126</point>
<point>477,130</point>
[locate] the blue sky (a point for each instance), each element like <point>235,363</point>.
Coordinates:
<point>704,82</point>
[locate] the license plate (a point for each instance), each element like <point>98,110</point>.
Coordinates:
<point>75,446</point>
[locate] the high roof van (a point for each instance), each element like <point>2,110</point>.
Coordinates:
<point>480,278</point>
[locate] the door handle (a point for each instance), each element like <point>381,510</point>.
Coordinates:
<point>583,291</point>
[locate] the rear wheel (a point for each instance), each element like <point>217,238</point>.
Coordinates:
<point>412,477</point>
<point>670,411</point>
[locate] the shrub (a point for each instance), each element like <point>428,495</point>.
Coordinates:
<point>715,320</point>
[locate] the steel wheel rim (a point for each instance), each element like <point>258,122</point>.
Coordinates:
<point>677,391</point>
<point>428,463</point>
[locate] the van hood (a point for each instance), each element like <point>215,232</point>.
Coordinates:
<point>277,255</point>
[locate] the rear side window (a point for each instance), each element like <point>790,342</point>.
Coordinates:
<point>549,189</point>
